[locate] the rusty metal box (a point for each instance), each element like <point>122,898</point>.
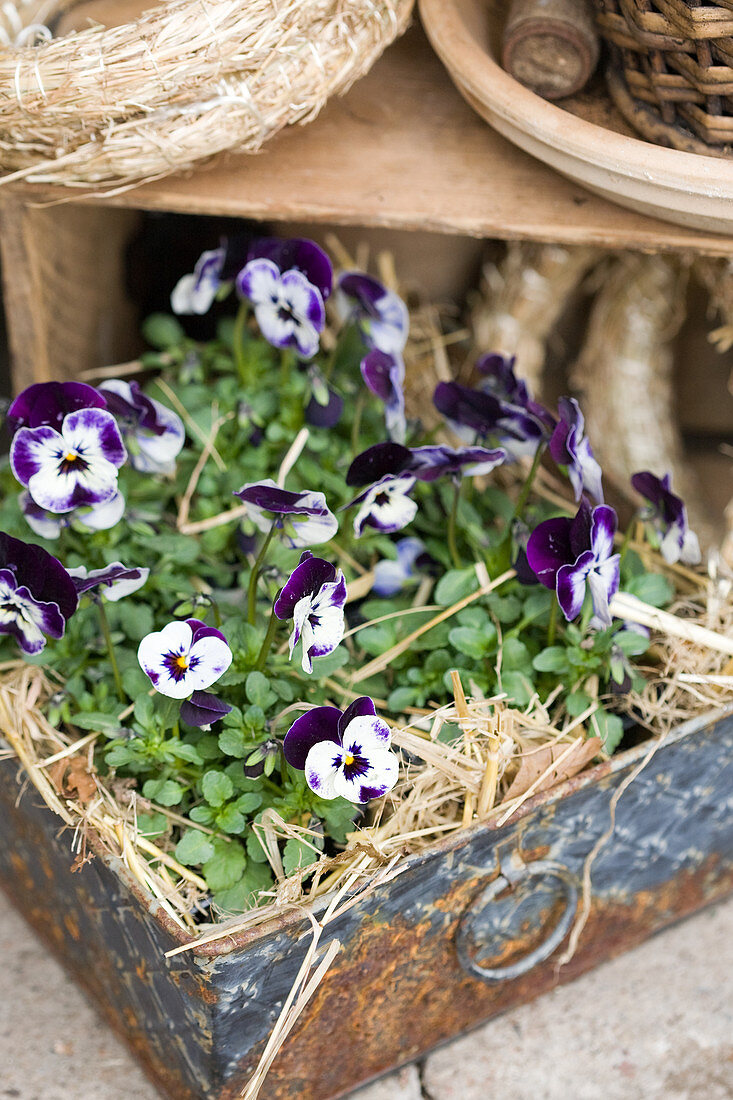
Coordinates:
<point>469,929</point>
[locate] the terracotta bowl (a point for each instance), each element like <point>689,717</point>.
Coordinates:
<point>585,139</point>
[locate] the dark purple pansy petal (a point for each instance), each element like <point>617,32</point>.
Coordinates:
<point>378,370</point>
<point>307,577</point>
<point>467,407</point>
<point>364,290</point>
<point>319,724</point>
<point>377,462</point>
<point>201,630</point>
<point>40,572</point>
<point>47,403</point>
<point>360,707</point>
<point>296,254</point>
<point>271,498</point>
<point>548,548</point>
<point>325,416</point>
<point>581,527</point>
<point>431,462</point>
<point>203,709</point>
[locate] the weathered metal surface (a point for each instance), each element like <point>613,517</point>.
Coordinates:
<point>397,987</point>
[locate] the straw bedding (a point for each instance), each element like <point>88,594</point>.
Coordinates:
<point>112,106</point>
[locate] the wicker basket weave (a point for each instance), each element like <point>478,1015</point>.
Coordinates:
<point>671,70</point>
<point>114,105</point>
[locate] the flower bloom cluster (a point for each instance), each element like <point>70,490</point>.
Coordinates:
<point>304,518</point>
<point>343,753</point>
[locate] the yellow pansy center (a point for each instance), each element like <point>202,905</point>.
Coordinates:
<point>348,759</point>
<point>182,663</point>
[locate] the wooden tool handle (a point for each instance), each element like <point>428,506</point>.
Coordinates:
<point>550,46</point>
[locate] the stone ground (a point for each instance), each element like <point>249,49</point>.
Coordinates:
<point>655,1024</point>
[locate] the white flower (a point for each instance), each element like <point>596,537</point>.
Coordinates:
<point>184,657</point>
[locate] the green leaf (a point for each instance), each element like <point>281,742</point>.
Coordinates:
<point>194,848</point>
<point>224,869</point>
<point>610,729</point>
<point>552,659</point>
<point>162,331</point>
<point>376,640</point>
<point>258,690</point>
<point>474,643</point>
<point>230,820</point>
<point>577,702</point>
<point>652,588</point>
<point>183,751</point>
<point>255,851</point>
<point>400,698</point>
<point>518,687</point>
<point>243,895</point>
<point>144,710</point>
<point>135,619</point>
<point>338,814</point>
<point>153,824</point>
<point>248,802</point>
<point>326,666</point>
<point>216,787</point>
<point>515,655</point>
<point>297,855</point>
<point>237,743</point>
<point>135,682</point>
<point>202,815</point>
<point>631,642</point>
<point>454,585</point>
<point>166,792</point>
<point>98,721</point>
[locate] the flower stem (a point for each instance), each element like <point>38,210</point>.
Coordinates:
<point>267,644</point>
<point>526,488</point>
<point>356,426</point>
<point>240,358</point>
<point>111,651</point>
<point>452,544</point>
<point>254,576</point>
<point>552,624</point>
<point>627,538</point>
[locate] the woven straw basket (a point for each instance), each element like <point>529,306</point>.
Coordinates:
<point>112,106</point>
<point>671,70</point>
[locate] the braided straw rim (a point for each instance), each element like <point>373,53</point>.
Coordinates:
<point>190,78</point>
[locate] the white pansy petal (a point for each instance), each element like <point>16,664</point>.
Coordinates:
<point>379,776</point>
<point>368,733</point>
<point>277,330</point>
<point>153,652</point>
<point>182,294</point>
<point>322,767</point>
<point>313,530</point>
<point>100,517</point>
<point>260,280</point>
<point>209,658</point>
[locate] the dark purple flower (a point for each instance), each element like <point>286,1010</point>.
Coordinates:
<point>296,254</point>
<point>184,657</point>
<point>380,314</point>
<point>386,506</point>
<point>430,463</point>
<point>203,709</point>
<point>47,403</point>
<point>666,516</point>
<point>37,595</point>
<point>195,293</point>
<point>314,597</point>
<point>343,754</point>
<point>571,450</point>
<point>500,380</point>
<point>575,555</point>
<point>154,434</point>
<point>516,428</point>
<point>74,466</point>
<point>113,582</point>
<point>303,517</point>
<point>384,374</point>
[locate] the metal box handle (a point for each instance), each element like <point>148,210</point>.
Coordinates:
<point>540,868</point>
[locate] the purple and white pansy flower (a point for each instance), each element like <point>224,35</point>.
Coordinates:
<point>304,517</point>
<point>572,452</point>
<point>76,465</point>
<point>380,315</point>
<point>112,583</point>
<point>184,657</point>
<point>288,304</point>
<point>47,403</point>
<point>88,517</point>
<point>475,414</point>
<point>386,506</point>
<point>314,598</point>
<point>153,433</point>
<point>666,518</point>
<point>384,375</point>
<point>391,575</point>
<point>195,293</point>
<point>423,463</point>
<point>37,595</point>
<point>345,753</point>
<point>573,556</point>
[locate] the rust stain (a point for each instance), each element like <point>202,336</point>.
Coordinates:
<point>72,926</point>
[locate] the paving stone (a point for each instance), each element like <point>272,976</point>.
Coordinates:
<point>654,1024</point>
<point>403,1085</point>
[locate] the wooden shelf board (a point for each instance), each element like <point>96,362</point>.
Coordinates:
<point>403,150</point>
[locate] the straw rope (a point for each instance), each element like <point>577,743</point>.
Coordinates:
<point>190,78</point>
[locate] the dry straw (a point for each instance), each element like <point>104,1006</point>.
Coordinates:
<point>112,106</point>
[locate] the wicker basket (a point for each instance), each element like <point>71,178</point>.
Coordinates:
<point>115,105</point>
<point>671,70</point>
